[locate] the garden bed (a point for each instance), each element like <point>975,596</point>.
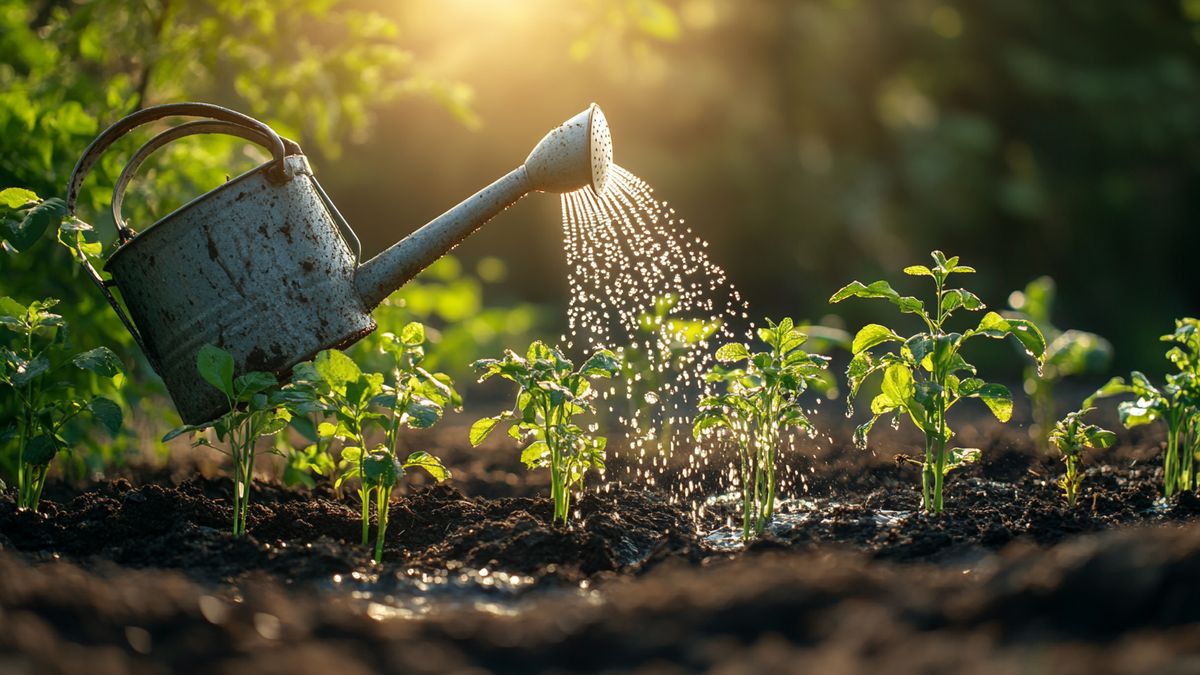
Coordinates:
<point>488,581</point>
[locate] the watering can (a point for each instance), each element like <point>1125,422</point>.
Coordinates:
<point>266,268</point>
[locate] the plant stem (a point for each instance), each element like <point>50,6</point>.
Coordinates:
<point>364,494</point>
<point>384,496</point>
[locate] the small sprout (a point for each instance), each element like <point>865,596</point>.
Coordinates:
<point>924,375</point>
<point>257,408</point>
<point>32,369</point>
<point>1072,436</point>
<point>550,394</point>
<point>1176,403</point>
<point>761,401</point>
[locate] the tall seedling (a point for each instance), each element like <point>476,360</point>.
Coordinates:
<point>550,395</point>
<point>31,369</point>
<point>925,376</point>
<point>761,400</point>
<point>256,409</point>
<point>1176,403</point>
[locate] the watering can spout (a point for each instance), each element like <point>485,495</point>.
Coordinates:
<point>576,154</point>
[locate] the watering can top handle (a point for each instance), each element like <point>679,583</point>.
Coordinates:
<point>173,134</point>
<point>214,127</point>
<point>147,115</point>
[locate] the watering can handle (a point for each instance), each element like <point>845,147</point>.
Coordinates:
<point>106,138</point>
<point>215,127</point>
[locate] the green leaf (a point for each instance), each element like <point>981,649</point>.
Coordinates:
<point>871,335</point>
<point>216,367</point>
<point>879,289</point>
<point>31,370</point>
<point>107,413</point>
<point>253,383</point>
<point>708,419</point>
<point>995,326</point>
<point>423,460</point>
<point>898,382</point>
<point>12,308</point>
<point>413,334</point>
<point>40,450</point>
<point>380,469</point>
<point>37,220</point>
<point>336,369</point>
<point>601,364</point>
<point>422,414</point>
<point>918,271</point>
<point>181,430</point>
<point>996,396</point>
<point>1114,387</point>
<point>959,457</point>
<point>481,428</point>
<point>536,454</point>
<point>15,198</point>
<point>958,297</point>
<point>732,352</point>
<point>100,360</point>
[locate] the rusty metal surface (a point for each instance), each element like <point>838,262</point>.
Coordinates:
<point>255,268</point>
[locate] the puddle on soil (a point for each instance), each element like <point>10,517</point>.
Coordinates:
<point>1158,507</point>
<point>412,594</point>
<point>791,515</point>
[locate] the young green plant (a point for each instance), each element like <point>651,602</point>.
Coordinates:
<point>32,359</point>
<point>925,375</point>
<point>550,395</point>
<point>363,403</point>
<point>1071,435</point>
<point>1068,353</point>
<point>760,402</point>
<point>255,411</point>
<point>1176,404</point>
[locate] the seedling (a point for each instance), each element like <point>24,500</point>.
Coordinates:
<point>255,410</point>
<point>365,402</point>
<point>30,365</point>
<point>1176,403</point>
<point>550,394</point>
<point>1068,353</point>
<point>1071,435</point>
<point>922,376</point>
<point>761,401</point>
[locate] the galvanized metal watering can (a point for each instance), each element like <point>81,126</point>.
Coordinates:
<point>266,268</point>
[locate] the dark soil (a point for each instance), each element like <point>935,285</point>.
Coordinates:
<point>139,575</point>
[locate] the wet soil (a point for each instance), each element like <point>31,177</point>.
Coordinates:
<point>139,574</point>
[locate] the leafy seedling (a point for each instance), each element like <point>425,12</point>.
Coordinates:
<point>256,409</point>
<point>925,375</point>
<point>550,395</point>
<point>1068,353</point>
<point>1071,435</point>
<point>365,403</point>
<point>31,364</point>
<point>761,400</point>
<point>1176,404</point>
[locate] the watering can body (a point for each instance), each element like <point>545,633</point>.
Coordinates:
<point>264,266</point>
